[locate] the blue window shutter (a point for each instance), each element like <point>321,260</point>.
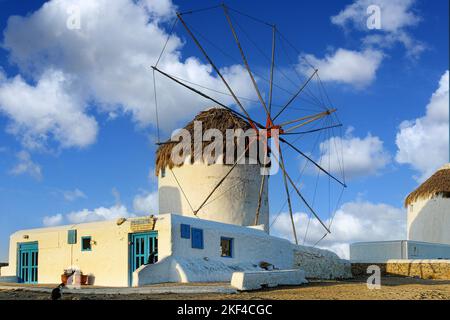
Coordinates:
<point>185,231</point>
<point>197,238</point>
<point>72,236</point>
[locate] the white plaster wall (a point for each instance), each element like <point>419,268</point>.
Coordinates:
<point>383,251</point>
<point>250,247</point>
<point>429,220</point>
<point>378,251</point>
<point>234,202</point>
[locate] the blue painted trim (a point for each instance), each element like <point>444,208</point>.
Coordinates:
<point>197,238</point>
<point>30,269</point>
<point>231,246</point>
<point>185,231</point>
<point>90,245</point>
<point>132,238</point>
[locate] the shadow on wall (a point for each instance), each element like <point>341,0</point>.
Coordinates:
<point>170,200</point>
<point>432,223</point>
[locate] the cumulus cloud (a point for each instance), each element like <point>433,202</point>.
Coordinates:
<point>356,68</point>
<point>25,165</point>
<point>423,143</point>
<point>107,62</point>
<point>359,156</point>
<point>396,17</point>
<point>354,221</point>
<point>46,110</point>
<point>146,203</point>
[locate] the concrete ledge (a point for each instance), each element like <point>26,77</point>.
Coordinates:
<point>424,269</point>
<point>225,289</point>
<point>258,279</point>
<point>9,279</point>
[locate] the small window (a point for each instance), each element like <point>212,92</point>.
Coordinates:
<point>86,244</point>
<point>226,246</point>
<point>197,238</point>
<point>72,236</point>
<point>185,231</point>
<point>163,172</point>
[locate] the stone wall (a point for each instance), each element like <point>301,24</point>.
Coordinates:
<point>424,269</point>
<point>320,264</point>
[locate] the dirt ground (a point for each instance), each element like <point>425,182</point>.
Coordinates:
<point>355,289</point>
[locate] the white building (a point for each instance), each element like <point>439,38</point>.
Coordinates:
<point>429,209</point>
<point>175,245</point>
<point>428,226</point>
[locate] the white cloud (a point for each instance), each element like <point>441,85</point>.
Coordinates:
<point>395,14</point>
<point>50,221</point>
<point>361,156</point>
<point>46,110</point>
<point>86,215</point>
<point>26,165</point>
<point>72,195</point>
<point>104,64</point>
<point>423,143</point>
<point>396,17</point>
<point>146,203</point>
<point>98,214</point>
<point>356,68</point>
<point>354,221</point>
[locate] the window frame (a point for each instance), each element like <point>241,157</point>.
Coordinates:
<point>202,243</point>
<point>185,231</point>
<point>72,236</point>
<point>231,247</point>
<point>90,243</point>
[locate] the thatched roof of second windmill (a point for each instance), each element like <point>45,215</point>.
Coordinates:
<point>437,184</point>
<point>214,118</point>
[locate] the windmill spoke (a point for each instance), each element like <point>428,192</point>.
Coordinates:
<point>216,69</point>
<point>226,175</point>
<point>261,191</point>
<point>299,193</point>
<point>288,198</point>
<point>313,130</point>
<point>315,163</point>
<point>321,114</point>
<point>204,95</point>
<point>245,60</point>
<point>272,65</point>
<point>263,180</point>
<point>296,94</point>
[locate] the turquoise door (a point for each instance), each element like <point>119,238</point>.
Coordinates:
<point>143,250</point>
<point>28,255</point>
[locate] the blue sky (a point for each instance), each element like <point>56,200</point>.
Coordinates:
<point>77,125</point>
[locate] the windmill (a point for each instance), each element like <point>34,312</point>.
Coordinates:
<point>315,117</point>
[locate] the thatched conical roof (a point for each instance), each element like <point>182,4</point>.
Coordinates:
<point>437,184</point>
<point>214,118</point>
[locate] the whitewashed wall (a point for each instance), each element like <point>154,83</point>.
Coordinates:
<point>186,264</point>
<point>429,220</point>
<point>234,202</point>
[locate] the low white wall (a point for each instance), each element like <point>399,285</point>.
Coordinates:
<point>259,279</point>
<point>377,251</point>
<point>383,251</point>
